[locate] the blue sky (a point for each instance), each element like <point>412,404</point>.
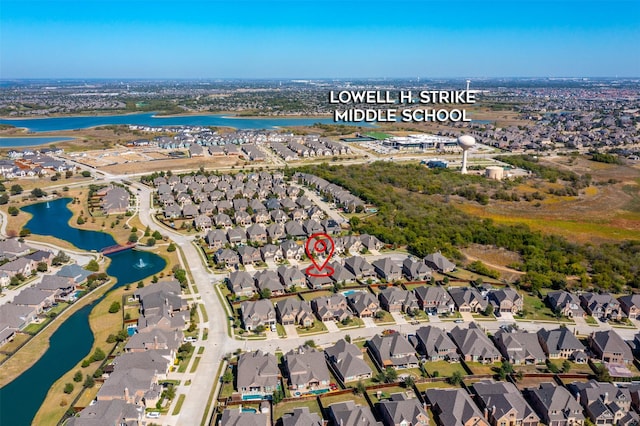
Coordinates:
<point>318,39</point>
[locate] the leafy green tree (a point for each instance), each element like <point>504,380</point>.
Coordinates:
<point>409,381</point>
<point>151,242</point>
<point>227,377</point>
<point>360,388</point>
<point>133,238</point>
<point>77,377</point>
<point>456,378</point>
<point>115,307</point>
<point>98,355</point>
<point>4,199</point>
<point>86,173</point>
<point>25,232</point>
<point>13,211</point>
<point>157,235</point>
<point>171,247</point>
<point>311,343</point>
<point>16,189</point>
<point>42,267</point>
<point>140,284</point>
<point>92,266</point>
<point>488,311</point>
<point>566,366</point>
<point>147,231</point>
<point>68,388</point>
<point>111,338</point>
<point>89,382</point>
<point>38,193</point>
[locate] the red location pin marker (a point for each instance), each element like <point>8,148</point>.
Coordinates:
<point>319,244</point>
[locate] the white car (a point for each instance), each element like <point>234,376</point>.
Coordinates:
<point>153,415</point>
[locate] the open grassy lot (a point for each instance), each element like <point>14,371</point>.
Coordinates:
<point>318,327</point>
<point>353,322</point>
<point>385,319</point>
<point>478,368</point>
<point>433,385</point>
<point>444,368</point>
<point>310,296</point>
<point>332,399</point>
<point>385,393</point>
<point>599,214</point>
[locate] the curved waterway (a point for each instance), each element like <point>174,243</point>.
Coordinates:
<point>21,399</point>
<point>51,124</point>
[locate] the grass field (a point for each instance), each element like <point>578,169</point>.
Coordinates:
<point>444,368</point>
<point>378,135</point>
<point>318,327</point>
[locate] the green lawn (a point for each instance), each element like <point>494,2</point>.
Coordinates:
<point>478,368</point>
<point>182,367</point>
<point>310,296</point>
<point>378,135</point>
<point>176,409</point>
<point>386,319</point>
<point>332,399</point>
<point>535,309</point>
<point>433,385</point>
<point>287,407</point>
<point>444,368</point>
<point>591,320</point>
<point>194,366</point>
<point>318,327</point>
<point>353,322</point>
<point>418,315</point>
<point>280,330</point>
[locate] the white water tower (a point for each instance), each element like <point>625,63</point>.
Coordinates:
<point>465,142</point>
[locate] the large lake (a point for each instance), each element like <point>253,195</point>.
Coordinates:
<point>150,119</point>
<point>21,399</point>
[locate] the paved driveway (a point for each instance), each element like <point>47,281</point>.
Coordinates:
<point>467,316</point>
<point>291,330</point>
<point>368,322</point>
<point>398,318</point>
<point>331,326</point>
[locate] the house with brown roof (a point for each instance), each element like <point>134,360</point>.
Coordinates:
<point>115,201</point>
<point>306,370</point>
<point>258,374</point>
<point>454,407</point>
<point>295,312</point>
<point>258,313</point>
<point>347,361</point>
<point>504,404</point>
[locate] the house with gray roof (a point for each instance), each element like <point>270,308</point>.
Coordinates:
<point>348,362</point>
<point>555,405</point>
<point>399,410</point>
<point>506,300</point>
<point>331,308</point>
<point>363,304</point>
<point>12,248</point>
<point>435,344</point>
<point>349,413</point>
<point>63,287</point>
<point>258,313</point>
<point>565,303</point>
<point>111,412</point>
<point>434,299</point>
<point>474,345</point>
<point>266,279</point>
<point>21,265</point>
<point>454,407</point>
<point>35,298</point>
<point>77,273</point>
<point>387,269</point>
<point>249,255</point>
<point>306,370</point>
<point>504,404</point>
<point>301,416</point>
<point>520,348</point>
<point>393,350</point>
<point>241,284</point>
<point>115,201</point>
<point>238,417</point>
<point>157,361</point>
<point>607,346</point>
<point>155,338</point>
<point>395,299</point>
<point>258,374</point>
<point>561,343</point>
<point>440,263</point>
<point>202,222</point>
<point>630,305</point>
<point>416,270</point>
<point>295,312</point>
<point>135,386</point>
<point>603,306</point>
<point>291,277</point>
<point>468,299</point>
<point>216,238</point>
<point>291,250</point>
<point>17,316</point>
<point>605,403</point>
<point>360,268</point>
<point>236,236</point>
<point>340,273</point>
<point>226,257</point>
